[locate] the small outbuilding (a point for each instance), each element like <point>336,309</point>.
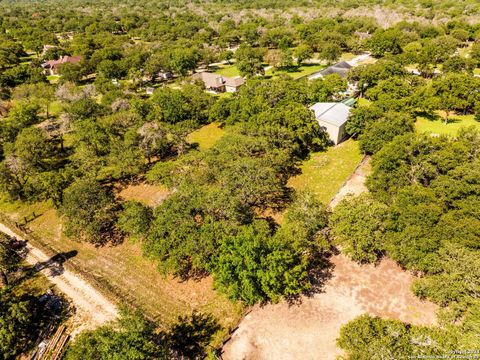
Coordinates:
<point>332,117</point>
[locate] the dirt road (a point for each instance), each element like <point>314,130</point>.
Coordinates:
<point>92,308</point>
<point>309,329</point>
<point>355,185</point>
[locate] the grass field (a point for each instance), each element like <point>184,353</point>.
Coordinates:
<point>347,56</point>
<point>227,70</point>
<point>325,172</point>
<point>206,136</point>
<point>438,126</point>
<point>363,102</point>
<point>125,274</point>
<point>53,79</point>
<point>303,70</point>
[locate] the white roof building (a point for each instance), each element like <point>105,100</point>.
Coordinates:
<point>332,117</point>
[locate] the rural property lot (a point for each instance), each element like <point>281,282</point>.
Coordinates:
<point>125,274</point>
<point>309,330</point>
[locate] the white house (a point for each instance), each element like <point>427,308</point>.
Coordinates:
<point>332,117</point>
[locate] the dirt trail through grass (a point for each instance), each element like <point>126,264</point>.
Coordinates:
<point>92,308</point>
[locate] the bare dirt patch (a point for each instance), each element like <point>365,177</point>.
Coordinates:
<point>150,195</point>
<point>309,330</point>
<point>355,184</point>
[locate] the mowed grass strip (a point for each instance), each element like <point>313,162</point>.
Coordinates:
<point>126,273</point>
<point>438,126</point>
<point>206,136</point>
<point>295,73</point>
<point>325,172</point>
<point>227,70</point>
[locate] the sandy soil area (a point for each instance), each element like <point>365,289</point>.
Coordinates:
<point>309,330</point>
<point>92,308</point>
<point>355,185</point>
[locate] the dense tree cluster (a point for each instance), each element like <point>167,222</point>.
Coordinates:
<point>134,337</point>
<point>422,211</point>
<point>210,223</point>
<point>369,337</point>
<point>23,313</point>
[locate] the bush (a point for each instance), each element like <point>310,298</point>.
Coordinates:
<point>90,211</point>
<point>382,131</point>
<point>130,338</point>
<point>135,219</point>
<point>358,226</point>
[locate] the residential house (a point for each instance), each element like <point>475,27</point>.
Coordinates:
<point>51,66</point>
<point>341,68</point>
<point>218,83</point>
<point>332,117</point>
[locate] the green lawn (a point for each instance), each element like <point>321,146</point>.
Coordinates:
<point>206,136</point>
<point>304,70</point>
<point>347,56</point>
<point>296,73</point>
<point>227,70</point>
<point>225,95</point>
<point>53,79</point>
<point>438,126</point>
<point>325,172</point>
<point>363,102</point>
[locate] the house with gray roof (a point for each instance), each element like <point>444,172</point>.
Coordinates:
<point>341,68</point>
<point>332,117</point>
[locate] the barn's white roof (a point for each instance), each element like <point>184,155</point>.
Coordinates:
<point>331,112</point>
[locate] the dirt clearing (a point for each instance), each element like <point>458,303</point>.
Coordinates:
<point>309,330</point>
<point>150,195</point>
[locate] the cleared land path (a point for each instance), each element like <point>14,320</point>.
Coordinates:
<point>92,308</point>
<point>309,329</point>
